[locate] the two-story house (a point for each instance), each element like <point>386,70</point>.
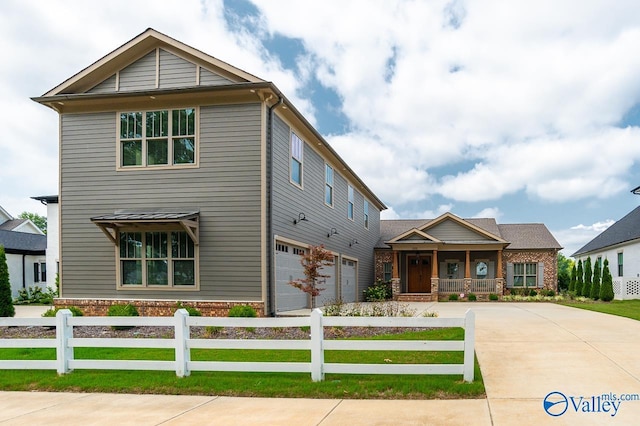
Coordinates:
<point>184,178</point>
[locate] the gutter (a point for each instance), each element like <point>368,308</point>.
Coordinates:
<point>270,233</point>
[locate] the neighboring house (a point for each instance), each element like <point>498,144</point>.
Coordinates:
<point>53,236</point>
<point>430,259</point>
<point>183,178</point>
<point>620,245</point>
<point>25,246</point>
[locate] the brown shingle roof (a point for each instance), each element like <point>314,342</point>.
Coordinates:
<point>12,224</point>
<point>528,236</point>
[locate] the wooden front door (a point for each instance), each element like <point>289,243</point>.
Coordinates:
<point>419,274</point>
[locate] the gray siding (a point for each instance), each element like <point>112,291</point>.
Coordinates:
<point>140,75</point>
<point>107,86</point>
<point>208,78</point>
<point>225,188</point>
<point>289,200</point>
<point>175,71</point>
<point>451,231</point>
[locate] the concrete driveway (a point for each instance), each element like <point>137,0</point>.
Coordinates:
<point>526,351</point>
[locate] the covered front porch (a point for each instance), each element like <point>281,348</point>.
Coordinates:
<point>429,275</point>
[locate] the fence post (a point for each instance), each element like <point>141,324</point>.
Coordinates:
<point>317,352</point>
<point>181,335</point>
<point>64,332</point>
<point>469,345</point>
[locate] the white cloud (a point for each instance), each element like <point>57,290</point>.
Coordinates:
<point>491,212</point>
<point>575,237</point>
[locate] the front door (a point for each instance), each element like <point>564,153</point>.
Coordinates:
<point>419,274</point>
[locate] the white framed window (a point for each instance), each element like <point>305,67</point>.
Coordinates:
<point>350,199</point>
<point>387,271</point>
<point>159,138</point>
<point>525,274</point>
<point>328,185</point>
<point>366,214</point>
<point>158,259</point>
<point>296,163</point>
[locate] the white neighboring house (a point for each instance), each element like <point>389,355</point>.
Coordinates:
<point>620,244</point>
<point>25,248</point>
<point>53,236</point>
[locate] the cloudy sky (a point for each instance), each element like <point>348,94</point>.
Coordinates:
<point>525,111</point>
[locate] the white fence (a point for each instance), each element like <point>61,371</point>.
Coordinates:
<point>182,343</point>
<point>626,288</point>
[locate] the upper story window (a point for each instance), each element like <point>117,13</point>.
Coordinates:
<point>366,214</point>
<point>620,264</point>
<point>157,138</point>
<point>328,185</point>
<point>157,258</point>
<point>350,202</point>
<point>297,150</point>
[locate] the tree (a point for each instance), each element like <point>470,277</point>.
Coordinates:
<point>313,261</point>
<point>564,272</point>
<point>572,283</point>
<point>579,279</point>
<point>606,290</point>
<point>6,304</point>
<point>595,287</point>
<point>588,276</point>
<point>39,221</point>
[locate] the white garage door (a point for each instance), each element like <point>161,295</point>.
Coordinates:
<point>348,281</point>
<point>288,268</point>
<point>329,294</point>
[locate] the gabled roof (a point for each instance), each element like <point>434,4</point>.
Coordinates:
<point>528,236</point>
<point>12,224</point>
<point>23,242</point>
<point>413,235</point>
<point>624,230</point>
<point>531,236</point>
<point>135,49</point>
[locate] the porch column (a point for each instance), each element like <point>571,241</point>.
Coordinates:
<point>499,265</point>
<point>434,264</point>
<point>467,265</point>
<point>395,276</point>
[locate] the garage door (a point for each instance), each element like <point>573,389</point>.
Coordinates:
<point>288,268</point>
<point>329,294</point>
<point>348,281</point>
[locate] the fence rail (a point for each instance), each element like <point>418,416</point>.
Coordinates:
<point>182,343</point>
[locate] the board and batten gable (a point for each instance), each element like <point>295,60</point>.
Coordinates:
<point>225,187</point>
<point>449,230</point>
<point>289,200</point>
<point>159,69</point>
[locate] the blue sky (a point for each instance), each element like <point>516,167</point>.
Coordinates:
<point>524,111</point>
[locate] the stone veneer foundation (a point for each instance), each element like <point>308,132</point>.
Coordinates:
<point>155,308</point>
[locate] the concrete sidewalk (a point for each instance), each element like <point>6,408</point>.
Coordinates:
<point>525,350</point>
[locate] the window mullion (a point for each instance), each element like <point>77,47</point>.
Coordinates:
<point>169,260</point>
<point>143,259</point>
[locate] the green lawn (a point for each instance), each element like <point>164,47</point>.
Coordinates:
<point>622,308</point>
<point>254,384</point>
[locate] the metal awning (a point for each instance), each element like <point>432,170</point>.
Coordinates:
<point>110,224</point>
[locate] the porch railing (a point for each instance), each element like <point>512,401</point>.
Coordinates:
<point>483,286</point>
<point>448,285</point>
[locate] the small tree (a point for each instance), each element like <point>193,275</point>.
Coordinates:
<point>606,290</point>
<point>595,287</point>
<point>6,304</point>
<point>588,276</point>
<point>313,261</point>
<point>579,279</point>
<point>572,283</point>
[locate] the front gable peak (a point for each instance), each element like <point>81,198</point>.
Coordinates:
<point>148,48</point>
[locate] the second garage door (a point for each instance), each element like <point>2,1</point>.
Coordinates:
<point>348,281</point>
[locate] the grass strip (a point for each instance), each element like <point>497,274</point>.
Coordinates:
<point>621,308</point>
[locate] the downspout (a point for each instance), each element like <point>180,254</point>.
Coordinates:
<point>24,272</point>
<point>270,245</point>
